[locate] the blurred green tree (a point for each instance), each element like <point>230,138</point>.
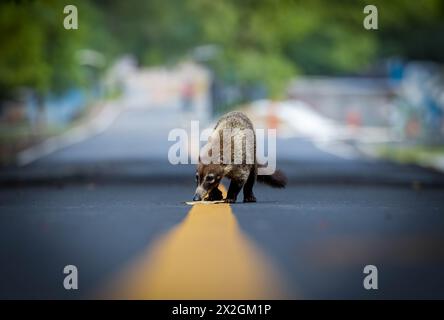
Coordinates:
<point>37,52</point>
<point>265,41</point>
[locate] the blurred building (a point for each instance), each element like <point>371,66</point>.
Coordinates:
<point>355,101</point>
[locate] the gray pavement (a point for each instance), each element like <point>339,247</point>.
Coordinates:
<point>100,203</point>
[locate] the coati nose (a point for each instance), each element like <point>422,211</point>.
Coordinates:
<point>197,197</point>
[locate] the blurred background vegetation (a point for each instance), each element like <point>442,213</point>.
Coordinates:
<point>253,46</point>
<point>251,41</point>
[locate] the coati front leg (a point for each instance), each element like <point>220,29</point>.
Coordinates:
<point>215,195</point>
<point>248,187</point>
<point>233,190</point>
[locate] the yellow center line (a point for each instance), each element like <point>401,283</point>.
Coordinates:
<point>206,256</point>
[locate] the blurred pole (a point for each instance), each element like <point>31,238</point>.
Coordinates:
<point>272,119</point>
<point>354,119</point>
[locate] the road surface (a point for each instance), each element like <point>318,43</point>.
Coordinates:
<point>113,207</point>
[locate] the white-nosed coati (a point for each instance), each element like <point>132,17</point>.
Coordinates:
<point>242,173</point>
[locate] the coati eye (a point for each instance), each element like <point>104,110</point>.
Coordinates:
<point>210,178</point>
<point>197,177</point>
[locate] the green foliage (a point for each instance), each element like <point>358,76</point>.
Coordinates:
<point>271,69</point>
<point>22,57</point>
<point>265,41</point>
<point>37,51</point>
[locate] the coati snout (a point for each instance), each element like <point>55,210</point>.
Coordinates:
<point>207,179</point>
<point>243,175</point>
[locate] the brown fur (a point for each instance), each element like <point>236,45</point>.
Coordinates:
<point>244,175</point>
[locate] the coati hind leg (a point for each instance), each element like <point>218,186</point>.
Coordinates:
<point>233,190</point>
<point>248,187</point>
<point>215,195</point>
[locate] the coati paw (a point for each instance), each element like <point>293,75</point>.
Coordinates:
<point>215,195</point>
<point>213,198</point>
<point>250,199</point>
<point>227,200</point>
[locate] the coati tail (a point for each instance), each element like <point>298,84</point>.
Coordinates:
<point>276,180</point>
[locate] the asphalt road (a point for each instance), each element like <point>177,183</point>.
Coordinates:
<point>101,204</point>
